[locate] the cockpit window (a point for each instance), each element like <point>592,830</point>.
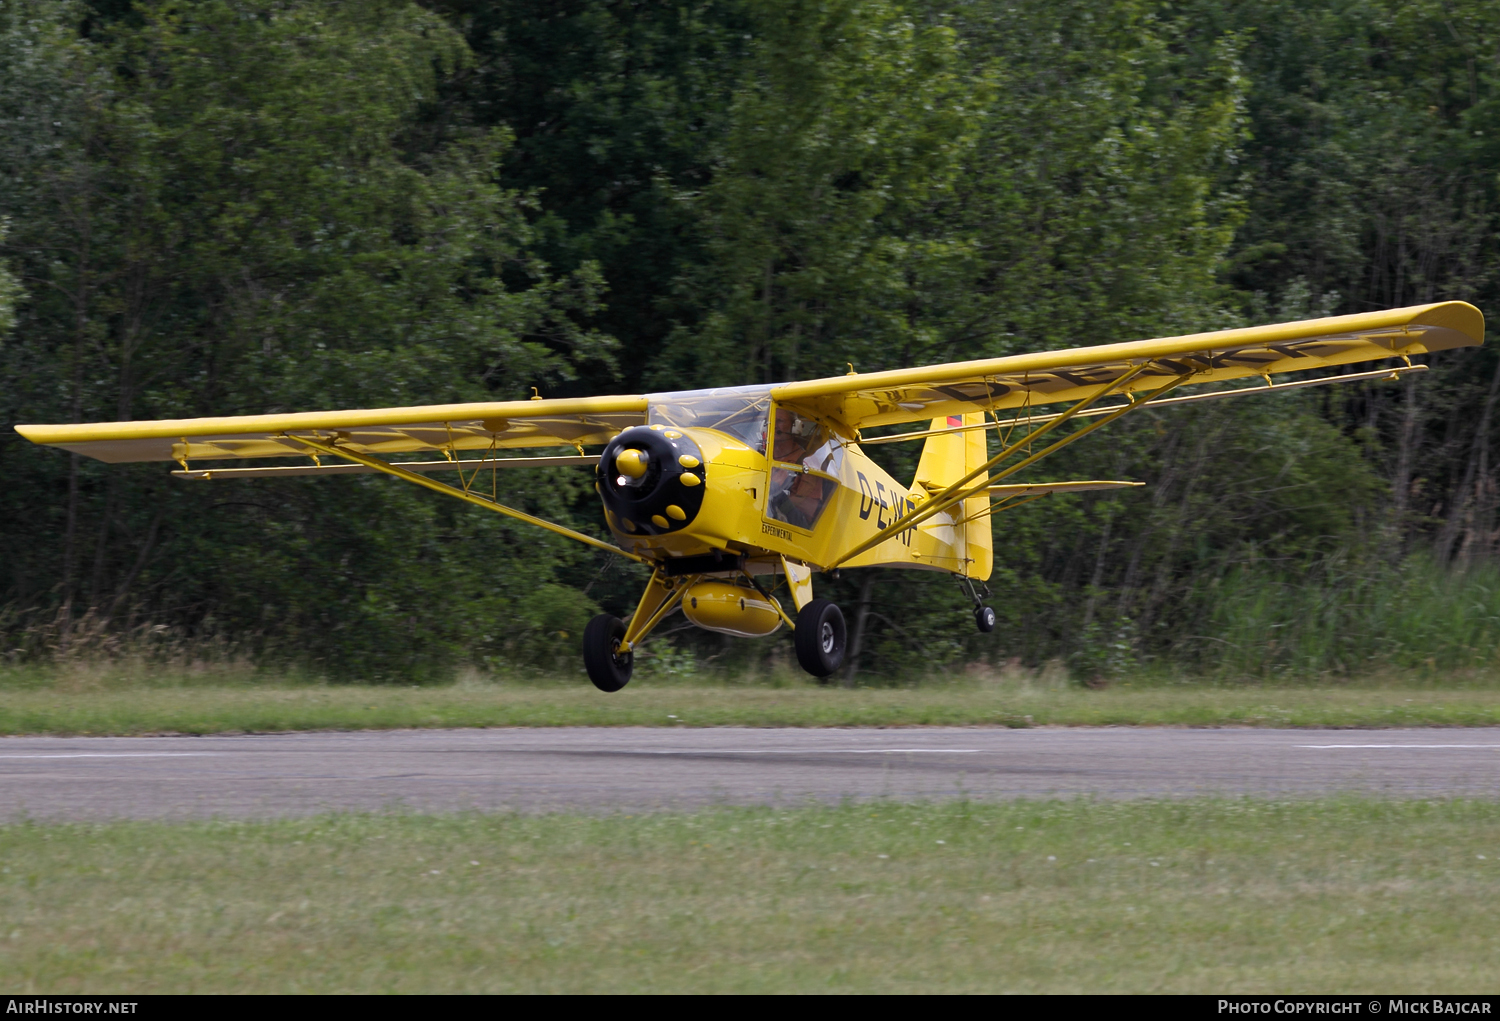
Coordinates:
<point>798,498</point>
<point>801,440</point>
<point>796,495</point>
<point>740,411</point>
<point>795,437</point>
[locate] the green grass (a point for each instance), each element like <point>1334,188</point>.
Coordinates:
<point>206,708</point>
<point>1343,616</point>
<point>1223,896</point>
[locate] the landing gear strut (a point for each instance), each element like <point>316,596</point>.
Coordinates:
<point>984,616</point>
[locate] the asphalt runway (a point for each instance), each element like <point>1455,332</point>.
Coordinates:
<point>596,769</point>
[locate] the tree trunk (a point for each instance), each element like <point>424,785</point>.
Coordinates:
<point>96,583</point>
<point>1466,496</point>
<point>1401,483</point>
<point>69,533</point>
<point>1208,440</point>
<point>1161,489</point>
<point>857,636</point>
<point>1098,576</point>
<point>770,314</point>
<point>80,329</point>
<point>140,563</point>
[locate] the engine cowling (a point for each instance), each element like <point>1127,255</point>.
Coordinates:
<point>651,479</point>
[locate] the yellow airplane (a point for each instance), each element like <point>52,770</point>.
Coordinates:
<point>730,494</point>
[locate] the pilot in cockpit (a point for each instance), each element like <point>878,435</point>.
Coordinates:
<point>795,436</point>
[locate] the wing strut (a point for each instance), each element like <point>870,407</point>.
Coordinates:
<point>1004,498</point>
<point>386,468</point>
<point>957,492</point>
<point>1353,377</point>
<point>459,465</point>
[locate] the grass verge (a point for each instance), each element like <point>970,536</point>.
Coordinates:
<point>208,709</point>
<point>1198,896</point>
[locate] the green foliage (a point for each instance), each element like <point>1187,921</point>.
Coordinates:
<point>1042,175</point>
<point>1335,618</point>
<point>38,76</point>
<point>238,224</point>
<point>1372,150</point>
<point>1263,481</point>
<point>1371,160</point>
<point>615,109</point>
<point>261,153</point>
<point>1102,193</point>
<point>10,292</point>
<point>849,120</point>
<point>252,205</point>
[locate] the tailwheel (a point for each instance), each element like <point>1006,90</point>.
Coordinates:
<point>607,666</point>
<point>984,616</point>
<point>820,638</point>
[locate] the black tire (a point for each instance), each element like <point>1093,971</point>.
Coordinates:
<point>984,617</point>
<point>607,666</point>
<point>820,638</point>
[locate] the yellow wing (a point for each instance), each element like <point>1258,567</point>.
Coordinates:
<point>881,398</point>
<point>1048,377</point>
<point>378,432</point>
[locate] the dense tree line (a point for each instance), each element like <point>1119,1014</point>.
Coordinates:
<point>242,206</point>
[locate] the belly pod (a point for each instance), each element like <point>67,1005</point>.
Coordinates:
<point>730,609</point>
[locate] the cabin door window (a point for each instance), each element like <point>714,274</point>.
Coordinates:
<point>803,452</point>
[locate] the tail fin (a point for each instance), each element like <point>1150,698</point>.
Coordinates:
<point>946,458</point>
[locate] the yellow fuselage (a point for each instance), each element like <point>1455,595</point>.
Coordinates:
<point>739,516</point>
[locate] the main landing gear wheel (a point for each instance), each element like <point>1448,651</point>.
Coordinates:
<point>607,666</point>
<point>984,617</point>
<point>820,638</point>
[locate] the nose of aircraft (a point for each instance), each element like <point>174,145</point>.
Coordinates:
<point>651,480</point>
<point>633,463</point>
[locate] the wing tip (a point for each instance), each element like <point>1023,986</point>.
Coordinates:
<point>1459,316</point>
<point>34,433</point>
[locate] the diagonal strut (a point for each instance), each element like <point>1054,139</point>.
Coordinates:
<point>957,491</point>
<point>385,467</point>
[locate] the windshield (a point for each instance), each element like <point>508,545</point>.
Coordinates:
<point>739,411</point>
